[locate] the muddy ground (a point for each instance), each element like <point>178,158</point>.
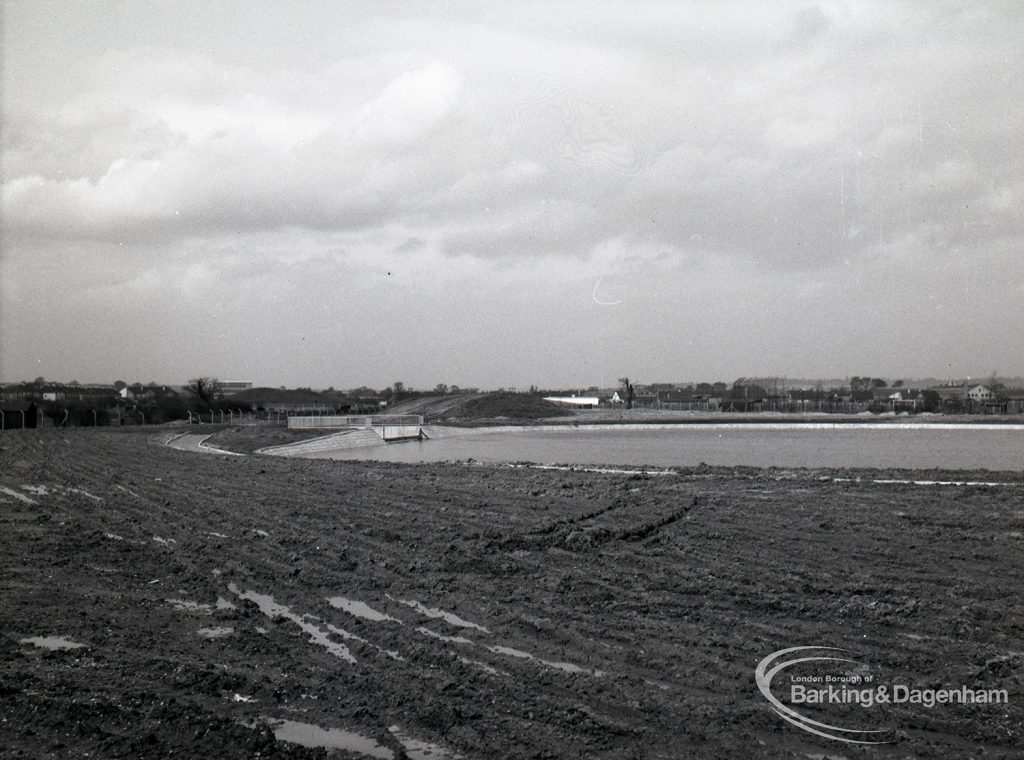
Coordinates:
<point>523,613</point>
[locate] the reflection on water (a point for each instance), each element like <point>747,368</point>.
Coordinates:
<point>309,735</point>
<point>923,447</point>
<point>361,610</point>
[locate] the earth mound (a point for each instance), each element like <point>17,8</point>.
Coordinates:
<point>518,406</point>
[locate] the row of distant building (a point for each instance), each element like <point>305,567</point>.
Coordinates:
<point>55,392</point>
<point>965,397</point>
<point>743,395</point>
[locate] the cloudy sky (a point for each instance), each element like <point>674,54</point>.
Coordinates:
<point>507,194</point>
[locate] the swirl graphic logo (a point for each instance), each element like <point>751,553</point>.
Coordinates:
<point>779,661</point>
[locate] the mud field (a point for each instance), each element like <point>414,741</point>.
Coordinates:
<point>164,603</point>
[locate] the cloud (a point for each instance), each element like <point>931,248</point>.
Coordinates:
<point>674,150</point>
<point>409,106</point>
<point>809,23</point>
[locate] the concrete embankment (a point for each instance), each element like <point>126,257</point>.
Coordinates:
<point>347,439</point>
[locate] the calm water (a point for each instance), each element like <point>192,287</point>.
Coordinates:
<point>852,446</point>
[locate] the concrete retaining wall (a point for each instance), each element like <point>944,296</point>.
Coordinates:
<point>346,440</point>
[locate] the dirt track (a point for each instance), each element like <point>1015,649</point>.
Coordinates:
<point>644,604</point>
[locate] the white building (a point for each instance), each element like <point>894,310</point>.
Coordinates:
<point>981,393</point>
<point>227,387</point>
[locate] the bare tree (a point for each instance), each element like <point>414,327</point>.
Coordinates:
<point>628,388</point>
<point>204,389</point>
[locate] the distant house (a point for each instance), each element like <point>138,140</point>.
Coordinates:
<point>981,394</point>
<point>15,415</point>
<point>951,392</point>
<point>228,387</point>
<point>676,396</point>
<point>1014,401</point>
<point>644,397</point>
<point>742,404</point>
<point>898,399</point>
<point>803,396</point>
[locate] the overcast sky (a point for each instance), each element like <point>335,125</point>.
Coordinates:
<point>507,194</point>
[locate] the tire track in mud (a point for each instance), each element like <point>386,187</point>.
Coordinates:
<point>182,547</point>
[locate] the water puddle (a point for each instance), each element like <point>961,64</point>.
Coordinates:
<point>272,610</point>
<point>84,493</point>
<point>891,481</point>
<point>433,612</point>
<point>53,643</point>
<point>483,666</point>
<point>567,667</point>
<point>361,610</point>
<point>440,637</point>
<point>657,684</point>
<point>19,496</point>
<point>309,735</point>
<point>165,541</point>
<point>217,535</point>
<point>352,637</point>
<point>187,605</point>
<point>57,490</point>
<point>215,633</point>
<point>113,537</point>
<point>420,750</point>
<point>602,470</point>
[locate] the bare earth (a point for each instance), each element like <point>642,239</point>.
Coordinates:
<point>523,613</point>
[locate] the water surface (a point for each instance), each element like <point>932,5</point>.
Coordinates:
<point>922,446</point>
